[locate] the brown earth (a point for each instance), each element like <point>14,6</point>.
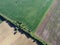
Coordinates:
<point>49,30</point>
<point>7,36</point>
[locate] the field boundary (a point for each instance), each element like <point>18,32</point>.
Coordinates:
<point>31,33</point>
<point>44,18</point>
<point>45,15</point>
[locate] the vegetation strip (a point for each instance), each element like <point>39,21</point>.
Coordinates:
<point>31,36</point>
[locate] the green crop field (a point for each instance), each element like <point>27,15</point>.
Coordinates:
<point>28,12</point>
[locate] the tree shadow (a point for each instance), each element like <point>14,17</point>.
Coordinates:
<point>25,33</point>
<point>3,19</point>
<point>29,36</point>
<point>21,31</point>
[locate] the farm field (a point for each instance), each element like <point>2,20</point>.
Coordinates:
<point>7,36</point>
<point>28,12</point>
<point>50,30</point>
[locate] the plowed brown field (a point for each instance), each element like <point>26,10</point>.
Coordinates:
<point>49,30</point>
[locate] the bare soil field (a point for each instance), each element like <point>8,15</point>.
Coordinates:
<point>49,30</point>
<point>7,36</point>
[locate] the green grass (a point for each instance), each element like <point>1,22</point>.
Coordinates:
<point>28,12</point>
